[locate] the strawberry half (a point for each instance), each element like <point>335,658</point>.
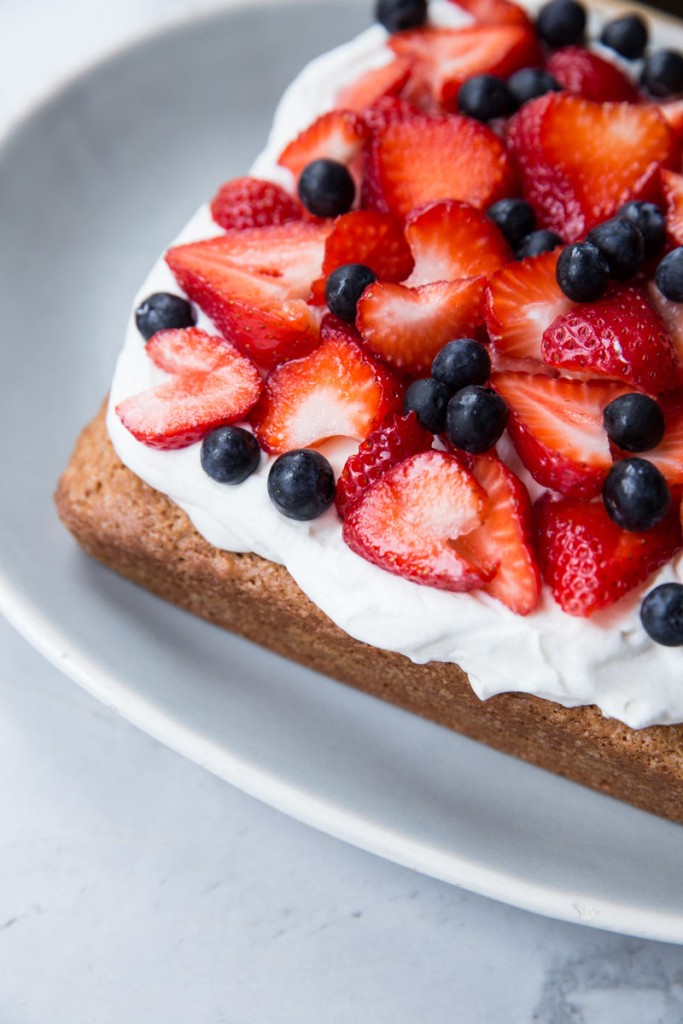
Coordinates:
<point>672,187</point>
<point>251,203</point>
<point>494,12</point>
<point>212,384</point>
<point>338,135</point>
<point>451,240</point>
<point>588,561</point>
<point>408,521</point>
<point>620,337</point>
<point>556,427</point>
<point>406,327</point>
<point>586,74</point>
<point>375,84</point>
<point>671,314</point>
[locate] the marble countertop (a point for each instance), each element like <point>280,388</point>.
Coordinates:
<point>134,886</point>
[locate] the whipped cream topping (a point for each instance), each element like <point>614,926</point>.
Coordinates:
<point>607,660</point>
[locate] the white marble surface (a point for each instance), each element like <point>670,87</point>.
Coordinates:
<point>136,887</point>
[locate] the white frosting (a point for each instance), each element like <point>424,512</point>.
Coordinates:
<point>608,660</point>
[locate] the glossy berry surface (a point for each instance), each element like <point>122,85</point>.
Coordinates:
<point>460,363</point>
<point>537,242</point>
<point>661,614</point>
<point>397,15</point>
<point>326,188</point>
<point>669,275</point>
<point>651,222</point>
<point>529,83</point>
<point>561,23</point>
<point>582,272</point>
<point>636,495</point>
<point>161,312</point>
<point>622,244</point>
<point>475,419</point>
<point>301,484</point>
<point>229,454</point>
<point>627,36</point>
<point>484,97</point>
<point>515,218</point>
<point>428,399</point>
<point>662,73</point>
<point>634,422</point>
<point>344,287</point>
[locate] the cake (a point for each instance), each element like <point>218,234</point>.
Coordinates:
<point>418,423</point>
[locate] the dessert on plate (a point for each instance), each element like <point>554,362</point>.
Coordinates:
<point>405,403</point>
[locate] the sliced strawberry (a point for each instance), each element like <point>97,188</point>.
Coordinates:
<point>672,187</point>
<point>427,158</point>
<point>672,112</point>
<point>521,301</point>
<point>672,317</point>
<point>337,135</point>
<point>584,73</point>
<point>588,561</point>
<point>451,240</point>
<point>389,110</point>
<point>212,384</point>
<point>406,522</point>
<point>337,390</point>
<point>556,426</point>
<point>668,455</point>
<point>375,84</point>
<point>581,160</point>
<point>494,12</point>
<point>620,337</point>
<point>406,327</point>
<point>395,440</point>
<point>251,203</point>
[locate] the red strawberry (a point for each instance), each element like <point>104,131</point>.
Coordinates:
<point>668,455</point>
<point>251,203</point>
<point>337,135</point>
<point>586,74</point>
<point>494,12</point>
<point>253,284</point>
<point>672,187</point>
<point>556,426</point>
<point>672,112</point>
<point>521,301</point>
<point>212,384</point>
<point>588,561</point>
<point>375,84</point>
<point>395,440</point>
<point>620,337</point>
<point>406,327</point>
<point>427,158</point>
<point>581,160</point>
<point>407,521</point>
<point>387,111</point>
<point>672,317</point>
<point>337,390</point>
<point>451,240</point>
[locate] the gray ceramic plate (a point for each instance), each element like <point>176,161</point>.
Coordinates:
<point>92,187</point>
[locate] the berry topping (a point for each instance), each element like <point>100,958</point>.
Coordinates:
<point>460,363</point>
<point>662,73</point>
<point>161,312</point>
<point>301,484</point>
<point>538,242</point>
<point>475,419</point>
<point>484,97</point>
<point>428,399</point>
<point>229,454</point>
<point>375,84</point>
<point>651,222</point>
<point>669,275</point>
<point>627,36</point>
<point>586,74</point>
<point>621,243</point>
<point>338,135</point>
<point>634,422</point>
<point>662,614</point>
<point>398,15</point>
<point>344,288</point>
<point>636,495</point>
<point>530,83</point>
<point>583,272</point>
<point>451,240</point>
<point>515,218</point>
<point>561,23</point>
<point>326,188</point>
<point>668,455</point>
<point>672,189</point>
<point>250,203</point>
<point>494,12</point>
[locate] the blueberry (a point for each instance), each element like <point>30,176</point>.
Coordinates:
<point>636,495</point>
<point>661,614</point>
<point>326,188</point>
<point>669,275</point>
<point>515,218</point>
<point>229,454</point>
<point>651,221</point>
<point>484,97</point>
<point>397,15</point>
<point>460,363</point>
<point>301,484</point>
<point>634,422</point>
<point>622,244</point>
<point>662,73</point>
<point>627,36</point>
<point>344,287</point>
<point>161,312</point>
<point>561,23</point>
<point>538,242</point>
<point>428,399</point>
<point>529,83</point>
<point>582,272</point>
<point>475,419</point>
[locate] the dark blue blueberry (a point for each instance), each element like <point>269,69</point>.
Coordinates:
<point>627,36</point>
<point>634,422</point>
<point>428,399</point>
<point>669,275</point>
<point>161,312</point>
<point>662,73</point>
<point>326,188</point>
<point>460,363</point>
<point>475,419</point>
<point>397,15</point>
<point>515,218</point>
<point>538,242</point>
<point>636,495</point>
<point>622,244</point>
<point>301,484</point>
<point>530,83</point>
<point>651,221</point>
<point>345,286</point>
<point>582,272</point>
<point>484,97</point>
<point>561,23</point>
<point>661,614</point>
<point>229,454</point>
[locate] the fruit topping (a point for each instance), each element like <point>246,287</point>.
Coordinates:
<point>451,240</point>
<point>621,243</point>
<point>163,311</point>
<point>475,419</point>
<point>530,83</point>
<point>538,242</point>
<point>397,15</point>
<point>668,454</point>
<point>634,422</point>
<point>636,495</point>
<point>485,97</point>
<point>626,35</point>
<point>375,84</point>
<point>326,188</point>
<point>428,398</point>
<point>301,484</point>
<point>229,454</point>
<point>586,74</point>
<point>494,12</point>
<point>662,614</point>
<point>651,222</point>
<point>344,287</point>
<point>561,23</point>
<point>662,73</point>
<point>583,273</point>
<point>462,362</point>
<point>515,218</point>
<point>251,203</point>
<point>338,135</point>
<point>669,275</point>
<point>672,188</point>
